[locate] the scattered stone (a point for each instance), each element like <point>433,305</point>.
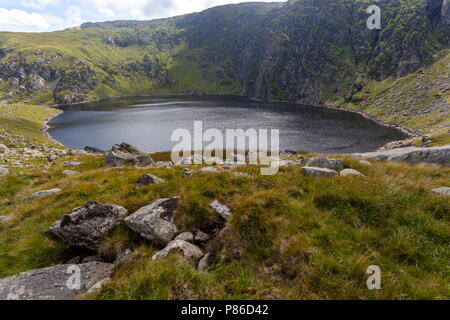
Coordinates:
<point>445,191</point>
<point>71,164</point>
<point>200,236</point>
<point>203,265</point>
<point>84,226</point>
<point>125,154</point>
<point>220,209</point>
<point>318,172</point>
<point>351,172</point>
<point>7,218</point>
<point>53,283</point>
<point>365,163</point>
<point>190,252</point>
<point>4,149</point>
<point>70,172</point>
<point>155,221</point>
<point>164,164</point>
<point>98,286</point>
<point>52,157</point>
<point>146,180</point>
<point>185,236</point>
<point>43,193</point>
<point>327,163</point>
<point>186,172</point>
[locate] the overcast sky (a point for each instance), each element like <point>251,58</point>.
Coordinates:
<point>50,15</point>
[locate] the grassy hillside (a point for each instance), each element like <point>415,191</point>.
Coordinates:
<point>290,236</point>
<point>419,100</point>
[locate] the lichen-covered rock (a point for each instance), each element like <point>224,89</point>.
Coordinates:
<point>146,180</point>
<point>155,222</point>
<point>220,209</point>
<point>328,163</point>
<point>318,172</point>
<point>85,226</point>
<point>55,283</point>
<point>125,154</point>
<point>188,251</point>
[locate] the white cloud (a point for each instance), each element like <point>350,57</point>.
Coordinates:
<point>37,4</point>
<point>52,15</point>
<point>19,20</point>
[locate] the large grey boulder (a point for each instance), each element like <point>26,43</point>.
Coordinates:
<point>318,172</point>
<point>146,180</point>
<point>43,193</point>
<point>438,155</point>
<point>221,209</point>
<point>189,252</point>
<point>328,163</point>
<point>55,283</point>
<point>155,221</point>
<point>445,191</point>
<point>84,227</point>
<point>127,155</point>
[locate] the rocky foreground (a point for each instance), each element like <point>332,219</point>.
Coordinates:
<point>85,227</point>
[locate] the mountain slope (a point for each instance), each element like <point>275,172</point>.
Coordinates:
<point>309,51</point>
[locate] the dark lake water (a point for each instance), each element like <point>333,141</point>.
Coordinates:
<point>148,122</point>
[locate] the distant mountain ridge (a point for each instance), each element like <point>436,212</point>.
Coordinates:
<point>309,51</point>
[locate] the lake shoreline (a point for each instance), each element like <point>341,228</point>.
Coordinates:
<point>407,131</point>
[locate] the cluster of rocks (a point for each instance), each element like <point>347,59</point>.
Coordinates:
<point>84,227</point>
<point>327,167</point>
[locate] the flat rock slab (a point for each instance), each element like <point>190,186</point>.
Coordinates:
<point>445,191</point>
<point>155,221</point>
<point>84,226</point>
<point>55,283</point>
<point>438,155</point>
<point>318,172</point>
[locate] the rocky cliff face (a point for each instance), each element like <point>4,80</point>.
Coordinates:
<point>304,50</point>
